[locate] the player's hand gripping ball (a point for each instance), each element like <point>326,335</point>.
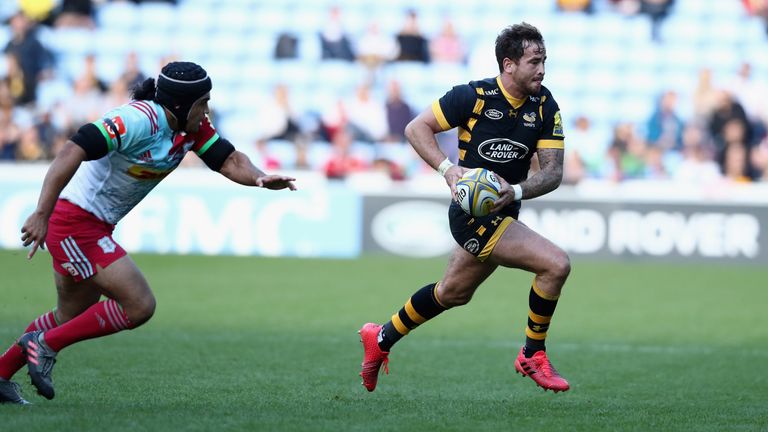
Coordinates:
<point>477,190</point>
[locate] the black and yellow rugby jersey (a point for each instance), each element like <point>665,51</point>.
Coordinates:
<point>497,131</point>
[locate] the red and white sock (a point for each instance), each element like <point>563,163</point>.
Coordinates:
<point>102,319</point>
<point>13,358</point>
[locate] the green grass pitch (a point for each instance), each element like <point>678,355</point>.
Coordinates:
<point>248,343</point>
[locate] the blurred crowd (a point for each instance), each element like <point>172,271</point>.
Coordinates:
<point>725,139</point>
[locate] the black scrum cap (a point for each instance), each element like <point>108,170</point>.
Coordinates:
<point>179,86</point>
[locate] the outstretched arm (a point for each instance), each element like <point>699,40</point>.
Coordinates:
<point>546,180</point>
<point>420,133</point>
<point>60,172</point>
<point>238,168</point>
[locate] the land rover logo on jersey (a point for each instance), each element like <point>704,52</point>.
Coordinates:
<point>494,114</point>
<point>502,150</point>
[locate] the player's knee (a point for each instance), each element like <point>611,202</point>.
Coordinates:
<point>452,297</point>
<point>141,310</point>
<point>561,265</point>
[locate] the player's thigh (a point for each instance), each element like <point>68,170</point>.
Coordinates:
<point>521,247</point>
<point>462,277</point>
<point>123,281</point>
<point>73,297</point>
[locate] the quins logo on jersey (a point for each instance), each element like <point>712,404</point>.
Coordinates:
<point>118,122</point>
<point>502,150</point>
<point>557,130</point>
<point>107,245</point>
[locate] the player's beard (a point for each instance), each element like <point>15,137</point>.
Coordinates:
<point>534,87</point>
<point>529,86</point>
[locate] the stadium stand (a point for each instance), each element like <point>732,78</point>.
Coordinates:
<point>604,65</point>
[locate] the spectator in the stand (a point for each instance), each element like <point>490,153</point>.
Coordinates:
<point>34,59</point>
<point>375,48</point>
<point>735,162</point>
<point>88,100</point>
<point>132,74</point>
<point>39,11</point>
<point>626,155</point>
<point>657,10</point>
<point>9,128</point>
<point>118,93</point>
<point>697,165</point>
<point>278,120</point>
<point>90,76</point>
<point>20,85</point>
<point>302,156</point>
<point>388,167</point>
<point>705,96</point>
<point>342,162</point>
<point>573,166</point>
<point>588,145</point>
<point>30,147</point>
<point>752,94</point>
<point>287,46</point>
<point>654,164</point>
<point>367,116</point>
<point>759,158</point>
<point>413,45</point>
<point>665,127</point>
<point>575,6</point>
<point>333,120</point>
<point>334,41</point>
<point>726,110</point>
<point>447,46</point>
<point>625,7</point>
<point>399,113</point>
<point>47,132</point>
<point>75,13</point>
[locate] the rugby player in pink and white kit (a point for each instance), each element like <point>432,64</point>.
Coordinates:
<point>100,174</point>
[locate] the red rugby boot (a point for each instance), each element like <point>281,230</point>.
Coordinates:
<point>541,371</point>
<point>373,357</point>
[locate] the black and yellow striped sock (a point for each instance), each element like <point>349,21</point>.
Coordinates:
<point>422,306</point>
<point>541,308</point>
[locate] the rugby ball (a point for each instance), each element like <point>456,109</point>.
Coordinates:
<point>477,190</point>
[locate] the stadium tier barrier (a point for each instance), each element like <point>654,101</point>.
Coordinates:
<point>195,211</point>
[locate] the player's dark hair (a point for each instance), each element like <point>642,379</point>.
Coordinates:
<point>144,90</point>
<point>513,40</point>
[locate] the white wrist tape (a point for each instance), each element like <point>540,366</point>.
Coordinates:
<point>518,191</point>
<point>444,165</point>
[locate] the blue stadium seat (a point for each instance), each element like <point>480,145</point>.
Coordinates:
<point>363,151</point>
<point>52,91</point>
<point>118,16</point>
<point>318,154</point>
<point>157,15</point>
<point>70,41</point>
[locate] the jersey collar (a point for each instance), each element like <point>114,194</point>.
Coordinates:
<point>516,103</point>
